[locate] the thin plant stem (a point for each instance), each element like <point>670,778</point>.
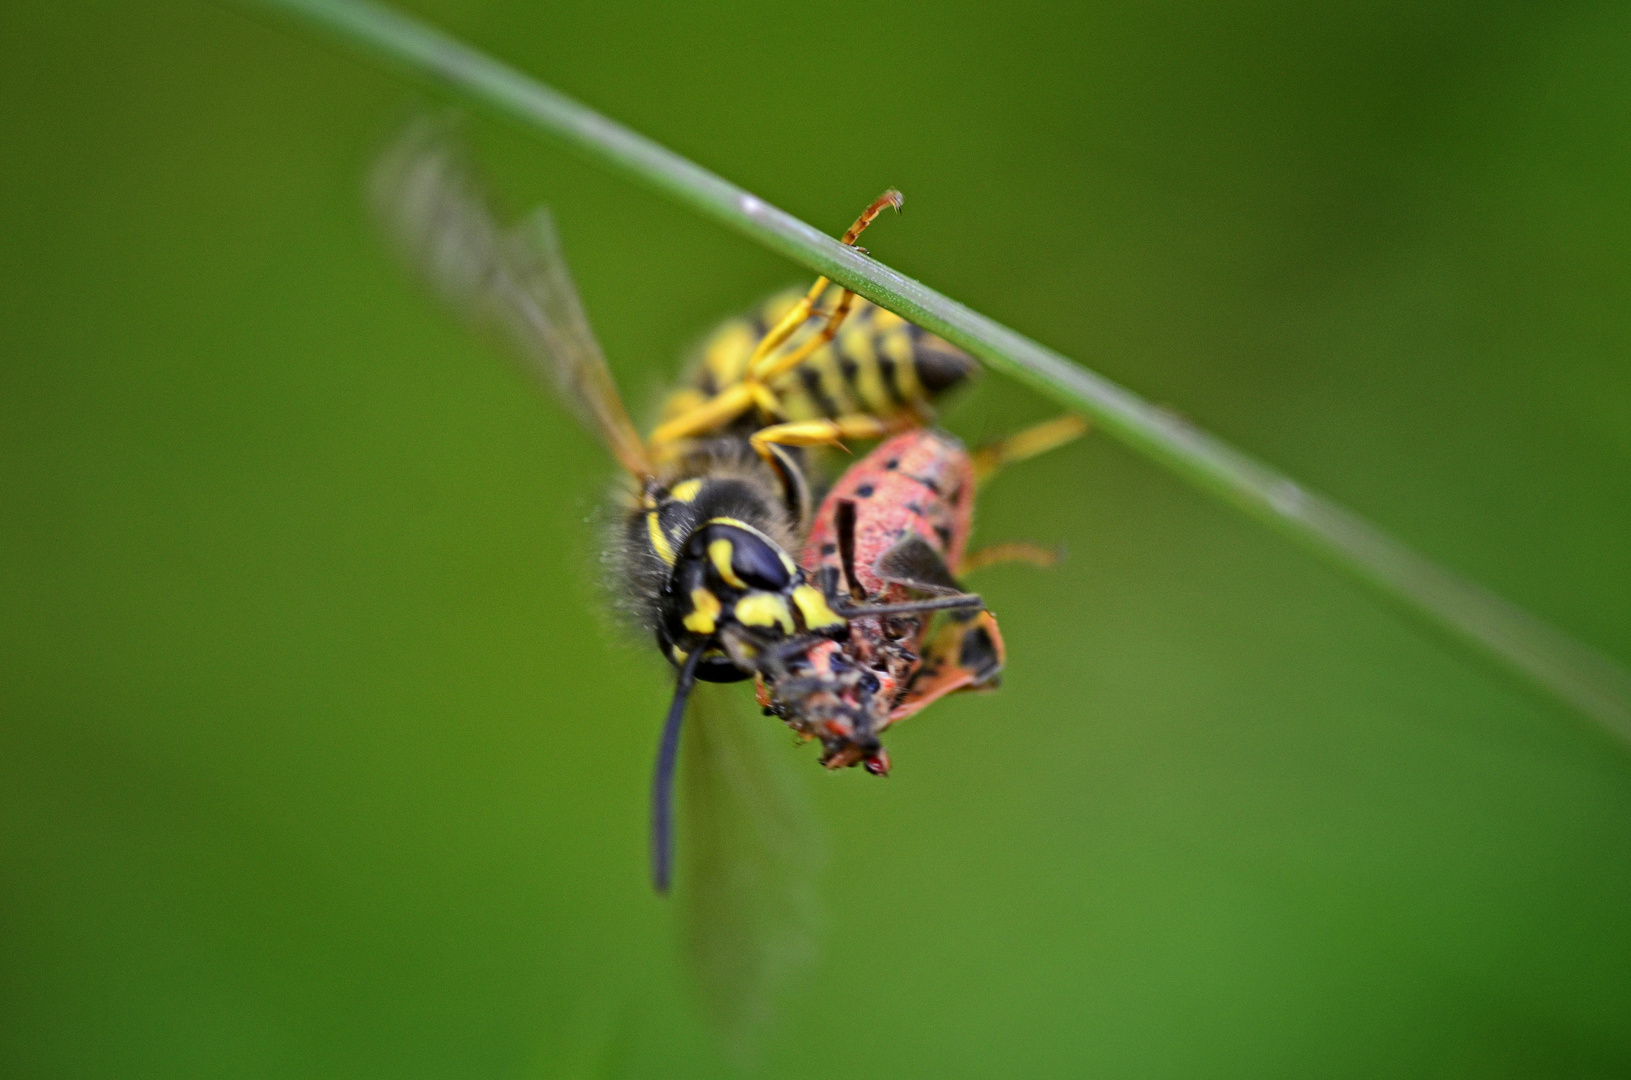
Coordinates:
<point>1568,669</point>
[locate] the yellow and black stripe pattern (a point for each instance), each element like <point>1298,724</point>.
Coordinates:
<point>878,365</point>
<point>730,587</point>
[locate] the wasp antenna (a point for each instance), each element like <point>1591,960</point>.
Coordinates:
<point>910,607</point>
<point>662,781</point>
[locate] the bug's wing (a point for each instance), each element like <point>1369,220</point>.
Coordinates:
<point>428,199</point>
<point>913,563</point>
<point>750,852</point>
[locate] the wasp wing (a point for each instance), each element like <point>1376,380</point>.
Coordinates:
<point>431,204</point>
<point>751,852</point>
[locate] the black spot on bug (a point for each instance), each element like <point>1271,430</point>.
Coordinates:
<point>928,483</point>
<point>828,549</point>
<point>944,534</point>
<point>892,463</point>
<point>864,491</point>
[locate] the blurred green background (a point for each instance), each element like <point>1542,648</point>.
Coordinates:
<point>318,756</point>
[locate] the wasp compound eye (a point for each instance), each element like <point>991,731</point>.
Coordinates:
<point>742,559</point>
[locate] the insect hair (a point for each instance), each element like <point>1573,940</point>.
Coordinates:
<point>741,486</point>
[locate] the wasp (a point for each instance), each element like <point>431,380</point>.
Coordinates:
<point>877,364</point>
<point>717,496</point>
<point>894,525</point>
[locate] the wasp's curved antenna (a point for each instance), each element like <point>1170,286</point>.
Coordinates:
<point>662,780</point>
<point>960,602</point>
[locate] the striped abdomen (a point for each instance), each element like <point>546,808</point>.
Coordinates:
<point>878,365</point>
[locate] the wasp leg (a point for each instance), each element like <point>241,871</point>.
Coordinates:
<point>803,309</point>
<point>766,368</point>
<point>711,415</point>
<point>753,389</point>
<point>819,433</point>
<point>989,460</point>
<point>736,399</point>
<point>1013,551</point>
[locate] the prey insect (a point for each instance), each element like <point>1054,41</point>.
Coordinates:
<point>894,526</point>
<point>717,496</point>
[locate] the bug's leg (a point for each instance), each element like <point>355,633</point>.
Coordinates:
<point>736,399</point>
<point>1050,434</point>
<point>1012,551</point>
<point>962,653</point>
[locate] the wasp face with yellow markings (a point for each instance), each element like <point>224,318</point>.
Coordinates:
<point>701,561</point>
<point>736,592</point>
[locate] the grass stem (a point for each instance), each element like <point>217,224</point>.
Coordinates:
<point>1569,670</point>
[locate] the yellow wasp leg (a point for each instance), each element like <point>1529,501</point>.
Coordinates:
<point>716,412</point>
<point>1029,443</point>
<point>768,369</point>
<point>819,433</point>
<point>801,310</point>
<point>711,415</point>
<point>738,398</point>
<point>1012,551</point>
<point>795,318</point>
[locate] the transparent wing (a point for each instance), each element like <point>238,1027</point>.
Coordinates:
<point>428,199</point>
<point>750,853</point>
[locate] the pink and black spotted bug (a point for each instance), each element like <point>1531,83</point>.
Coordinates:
<point>891,531</point>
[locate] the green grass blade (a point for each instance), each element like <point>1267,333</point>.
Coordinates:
<point>1571,671</point>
